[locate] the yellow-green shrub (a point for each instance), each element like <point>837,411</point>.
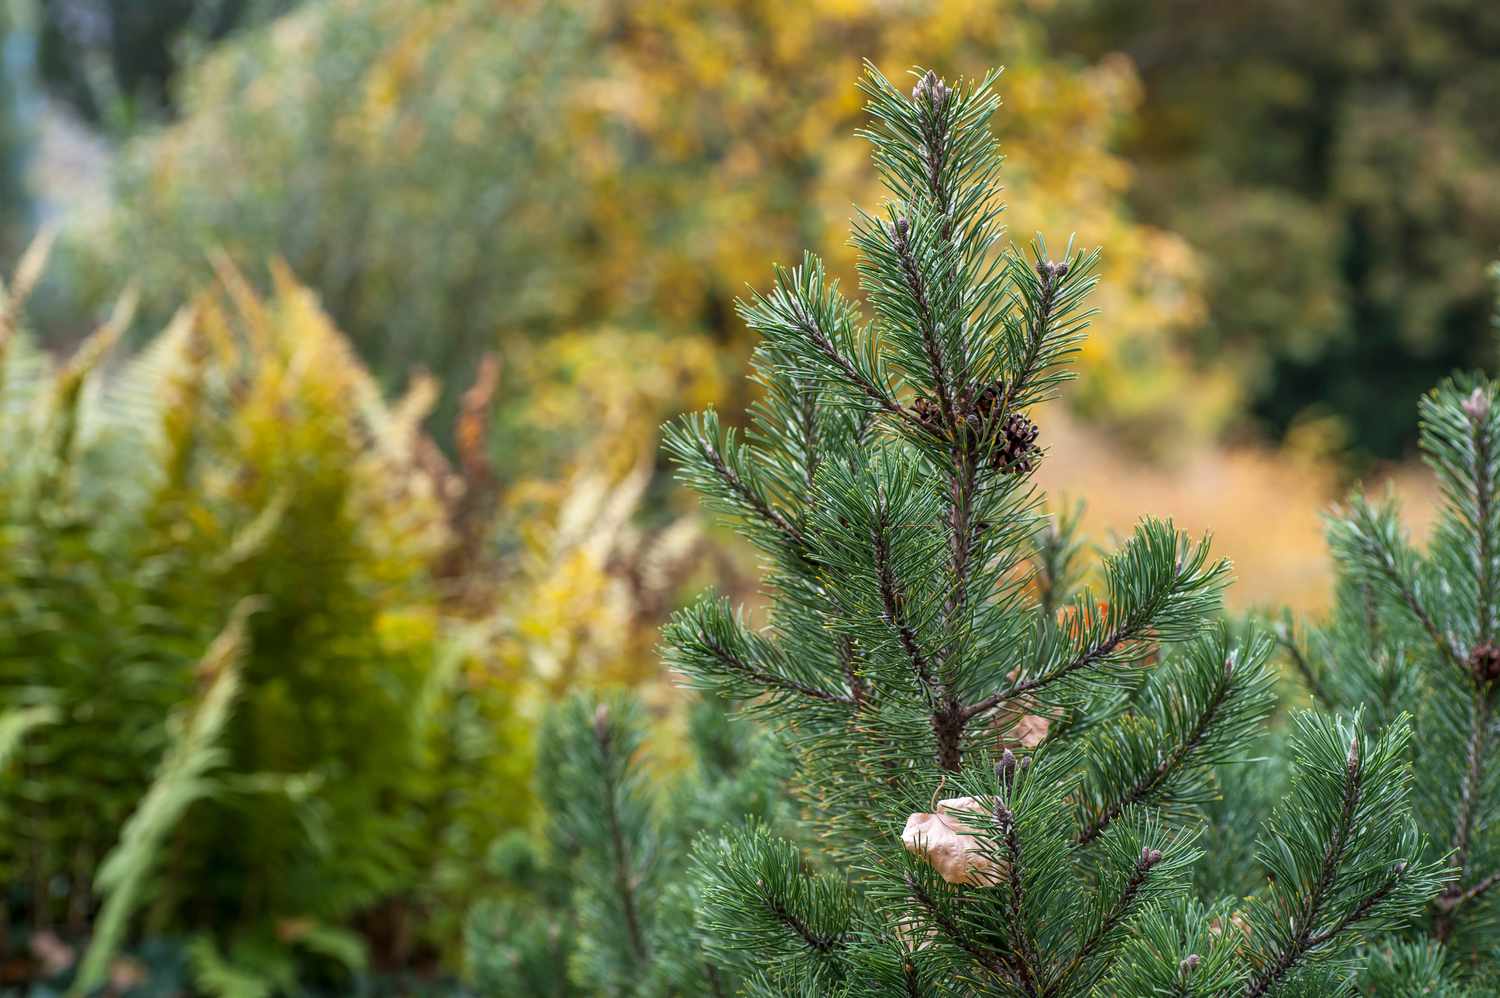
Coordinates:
<point>445,174</point>
<point>243,452</point>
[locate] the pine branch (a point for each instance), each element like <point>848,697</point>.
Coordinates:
<point>794,319</point>
<point>990,961</point>
<point>760,911</point>
<point>712,647</point>
<point>620,859</point>
<point>1482,472</point>
<point>719,469</point>
<point>817,943</point>
<point>848,662</point>
<point>1340,849</point>
<point>1116,915</point>
<point>1055,549</point>
<point>1028,965</point>
<point>1469,789</point>
<point>774,682</point>
<point>1145,787</point>
<point>1360,911</point>
<point>1451,900</point>
<point>1305,921</point>
<point>1089,657</point>
<point>880,397</point>
<point>1368,541</point>
<point>1161,587</point>
<point>921,618</point>
<point>893,605</point>
<point>1038,326</point>
<point>1284,637</point>
<point>900,232</point>
<point>752,499</point>
<point>1473,777</point>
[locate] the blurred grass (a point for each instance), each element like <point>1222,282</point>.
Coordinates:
<point>1264,506</point>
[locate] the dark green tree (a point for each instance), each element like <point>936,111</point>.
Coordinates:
<point>1337,164</point>
<point>928,638</point>
<point>117,61</point>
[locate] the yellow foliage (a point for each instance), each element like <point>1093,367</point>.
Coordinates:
<point>439,167</point>
<point>595,579</point>
<point>749,112</point>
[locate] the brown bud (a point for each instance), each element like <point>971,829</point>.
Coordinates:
<point>1150,857</point>
<point>1190,963</point>
<point>601,722</point>
<point>1005,769</point>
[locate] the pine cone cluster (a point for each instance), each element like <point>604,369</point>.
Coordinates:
<point>1484,663</point>
<point>1050,271</point>
<point>932,90</point>
<point>1010,450</point>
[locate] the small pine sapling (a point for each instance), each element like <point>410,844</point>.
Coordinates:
<point>596,904</point>
<point>1001,770</point>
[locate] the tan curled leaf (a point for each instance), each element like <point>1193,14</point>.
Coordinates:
<point>952,847</point>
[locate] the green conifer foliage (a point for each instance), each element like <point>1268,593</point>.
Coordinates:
<point>600,901</point>
<point>934,660</point>
<point>1416,630</point>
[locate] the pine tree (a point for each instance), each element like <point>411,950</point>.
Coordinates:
<point>937,666</point>
<point>1419,631</point>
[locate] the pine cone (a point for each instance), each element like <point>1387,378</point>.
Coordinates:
<point>1484,663</point>
<point>1017,445</point>
<point>984,404</point>
<point>928,413</point>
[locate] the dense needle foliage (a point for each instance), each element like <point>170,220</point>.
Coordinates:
<point>1001,772</point>
<point>1415,631</point>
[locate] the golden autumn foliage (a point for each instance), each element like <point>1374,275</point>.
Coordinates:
<point>750,116</point>
<point>550,167</point>
<point>595,578</point>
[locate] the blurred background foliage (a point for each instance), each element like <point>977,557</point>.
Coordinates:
<point>412,286</point>
<point>600,161</point>
<point>1336,167</point>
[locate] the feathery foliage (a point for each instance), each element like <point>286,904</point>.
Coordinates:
<point>243,453</point>
<point>184,777</point>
